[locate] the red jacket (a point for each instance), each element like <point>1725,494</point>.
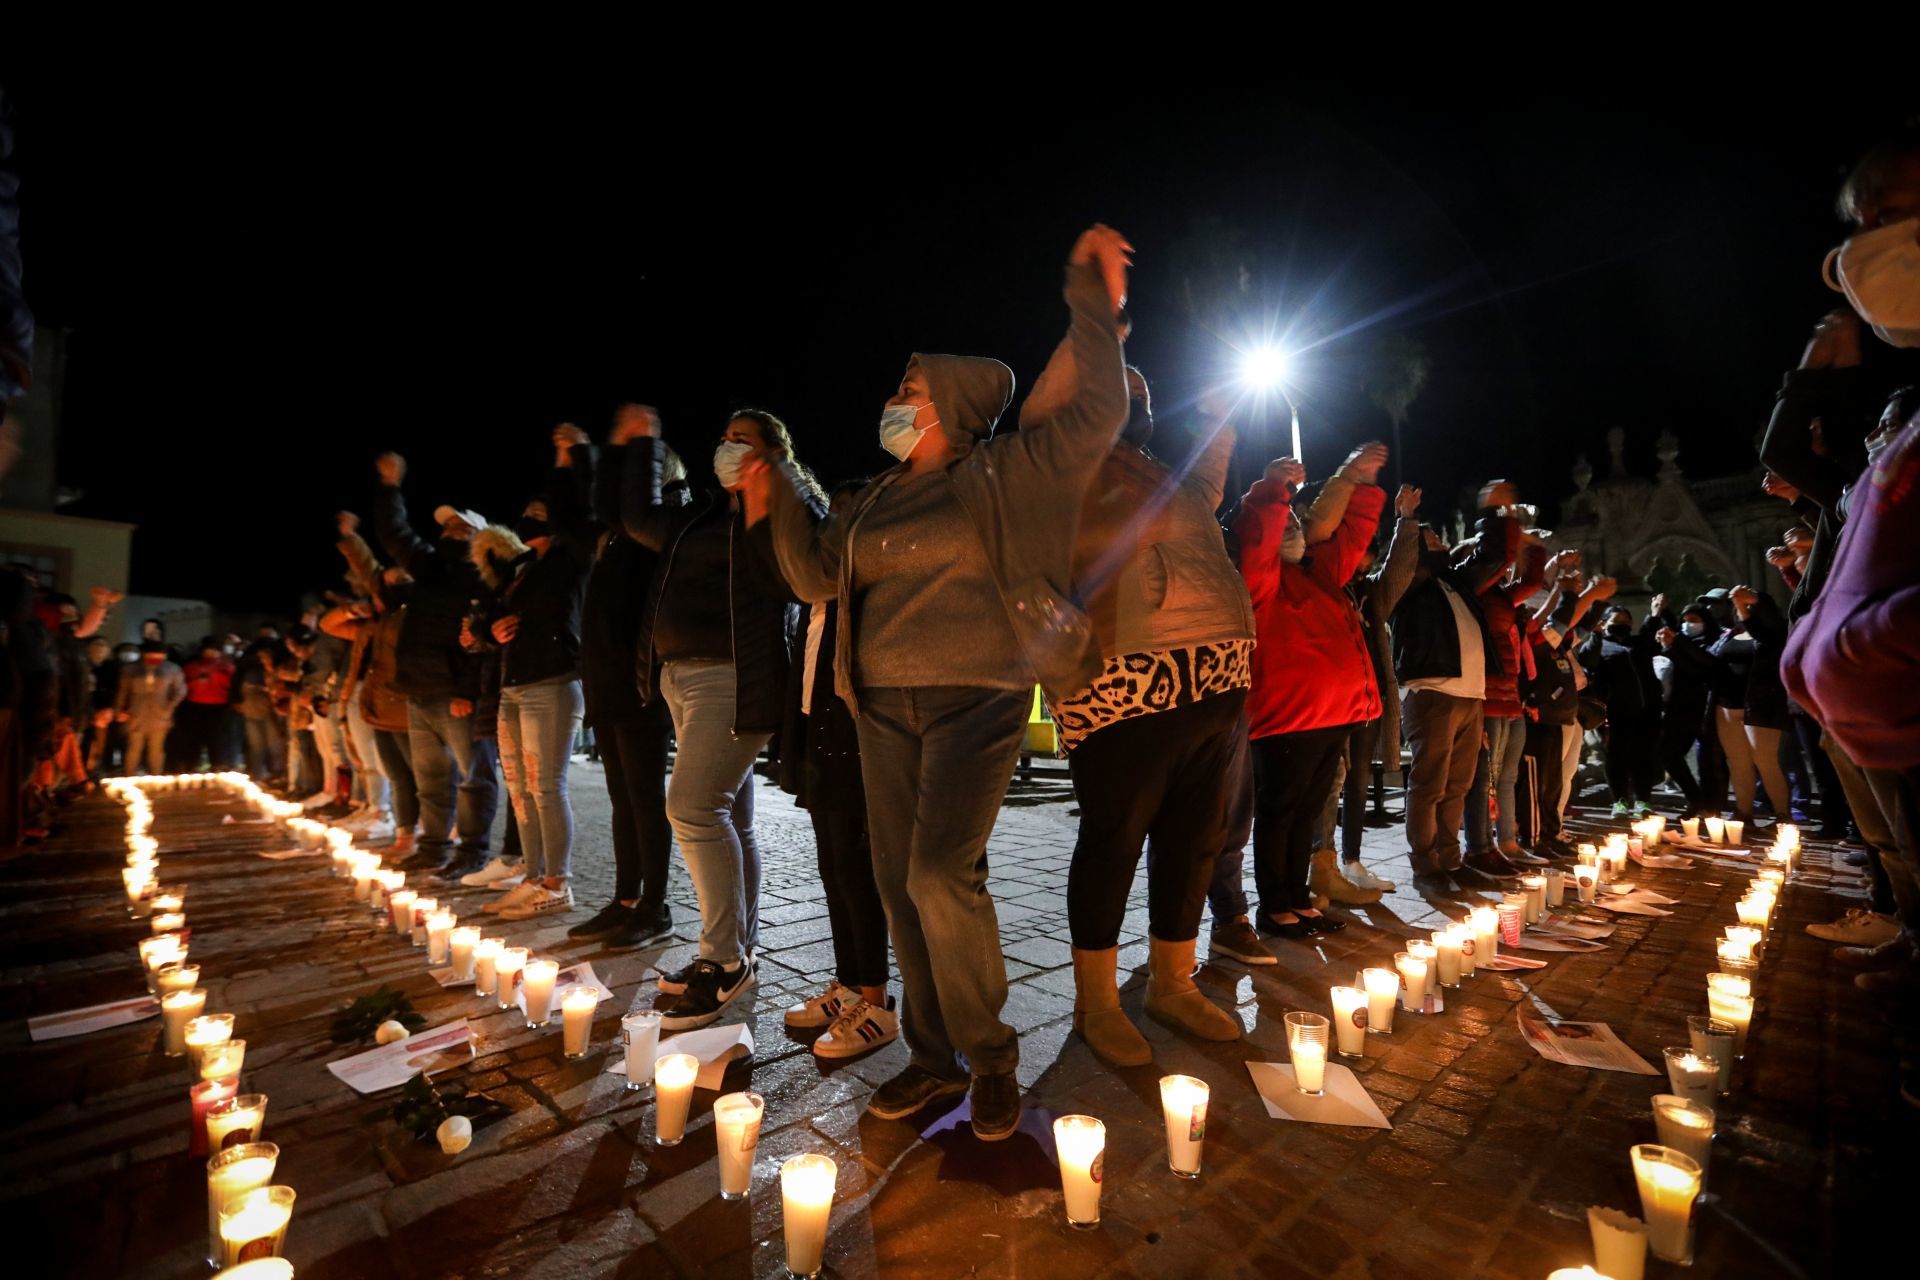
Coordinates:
<point>1501,604</point>
<point>209,681</point>
<point>1311,667</point>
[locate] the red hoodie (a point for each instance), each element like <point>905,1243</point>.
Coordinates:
<point>1311,667</point>
<point>209,680</point>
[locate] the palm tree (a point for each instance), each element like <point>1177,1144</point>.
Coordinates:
<point>1398,367</point>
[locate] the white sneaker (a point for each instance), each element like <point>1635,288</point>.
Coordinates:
<point>318,800</point>
<point>498,869</point>
<point>1358,875</point>
<point>513,898</point>
<point>824,1009</point>
<point>541,901</point>
<point>1858,928</point>
<point>859,1029</point>
<point>364,816</point>
<point>379,830</point>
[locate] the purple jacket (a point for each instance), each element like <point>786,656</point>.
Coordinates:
<point>1854,658</point>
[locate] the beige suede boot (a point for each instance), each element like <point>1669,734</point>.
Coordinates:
<point>1097,1015</point>
<point>1174,1000</point>
<point>1328,882</point>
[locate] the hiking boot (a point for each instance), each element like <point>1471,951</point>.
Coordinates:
<point>996,1106</point>
<point>910,1091</point>
<point>1238,941</point>
<point>710,989</point>
<point>1325,878</point>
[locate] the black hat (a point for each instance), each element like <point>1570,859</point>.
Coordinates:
<point>153,646</point>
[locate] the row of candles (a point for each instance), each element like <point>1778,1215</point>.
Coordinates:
<point>1670,1175</point>
<point>247,1216</point>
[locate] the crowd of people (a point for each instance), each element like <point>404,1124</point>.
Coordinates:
<point>1221,668</point>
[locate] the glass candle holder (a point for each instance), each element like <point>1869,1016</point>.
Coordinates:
<point>736,1135</point>
<point>439,937</point>
<point>486,953</point>
<point>236,1120</point>
<point>1737,1012</point>
<point>1383,992</point>
<point>231,1174</point>
<point>1307,1043</point>
<point>255,1224</point>
<point>1669,1183</point>
<point>423,910</point>
<point>536,985</point>
<point>1692,1077</point>
<point>1349,1021</point>
<point>806,1204</point>
<point>640,1038</point>
<point>1429,955</point>
<point>461,942</point>
<point>1716,830</point>
<point>177,1009</point>
<point>1486,935</point>
<point>174,976</point>
<point>1183,1104</point>
<point>1712,1039</point>
<point>1446,947</point>
<point>1586,881</point>
<point>1413,980</point>
<point>506,972</point>
<point>202,1097</point>
<point>577,1008</point>
<point>673,1077</point>
<point>203,1033</point>
<point>400,910</point>
<point>223,1061</point>
<point>1556,886</point>
<point>1081,1143</point>
<point>1686,1126</point>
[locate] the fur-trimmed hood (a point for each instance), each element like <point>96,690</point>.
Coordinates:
<point>493,550</point>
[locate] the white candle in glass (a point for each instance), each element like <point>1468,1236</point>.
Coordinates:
<point>222,1061</point>
<point>485,952</point>
<point>1735,830</point>
<point>1753,911</point>
<point>177,1009</point>
<point>423,910</point>
<point>203,1033</point>
<point>806,1195</point>
<point>1486,935</point>
<point>1736,1011</point>
<point>1753,937</point>
<point>1350,1021</point>
<point>576,1019</point>
<point>1307,1045</point>
<point>169,921</point>
<point>255,1225</point>
<point>1716,830</point>
<point>536,984</point>
<point>1669,1182</point>
<point>507,965</point>
<point>362,869</point>
<point>1692,1077</point>
<point>1446,946</point>
<point>1081,1143</point>
<point>673,1076</point>
<point>1428,955</point>
<point>1556,886</point>
<point>170,978</point>
<point>439,935</point>
<point>1183,1103</point>
<point>1413,980</point>
<point>1712,1039</point>
<point>1536,890</point>
<point>640,1037</point>
<point>1469,947</point>
<point>736,1134</point>
<point>235,1120</point>
<point>231,1174</point>
<point>400,910</point>
<point>1732,984</point>
<point>1686,1126</point>
<point>461,942</point>
<point>1383,991</point>
<point>1734,951</point>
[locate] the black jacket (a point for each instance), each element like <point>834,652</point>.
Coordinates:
<point>1426,640</point>
<point>1620,673</point>
<point>616,599</point>
<point>765,613</point>
<point>547,591</point>
<point>1762,695</point>
<point>1691,684</point>
<point>430,665</point>
<point>822,770</point>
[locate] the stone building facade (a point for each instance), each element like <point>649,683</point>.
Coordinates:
<point>1669,532</point>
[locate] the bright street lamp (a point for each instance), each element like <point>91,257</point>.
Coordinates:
<point>1264,369</point>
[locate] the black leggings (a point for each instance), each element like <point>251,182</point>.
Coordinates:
<point>1630,758</point>
<point>1292,778</point>
<point>854,911</point>
<point>634,754</point>
<point>1164,775</point>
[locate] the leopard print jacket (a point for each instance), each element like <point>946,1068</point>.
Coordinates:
<point>1139,684</point>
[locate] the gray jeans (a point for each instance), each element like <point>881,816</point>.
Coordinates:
<point>710,804</point>
<point>936,763</point>
<point>1443,733</point>
<point>445,755</point>
<point>538,723</point>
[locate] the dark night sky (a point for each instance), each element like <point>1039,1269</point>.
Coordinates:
<point>268,282</point>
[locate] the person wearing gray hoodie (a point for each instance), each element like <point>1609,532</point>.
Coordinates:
<point>953,573</point>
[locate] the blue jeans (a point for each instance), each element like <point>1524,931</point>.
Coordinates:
<point>369,776</point>
<point>266,748</point>
<point>446,755</point>
<point>538,723</point>
<point>936,763</point>
<point>710,804</point>
<point>1498,768</point>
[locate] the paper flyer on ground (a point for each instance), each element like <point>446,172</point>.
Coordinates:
<point>97,1017</point>
<point>1342,1101</point>
<point>1581,1044</point>
<point>281,855</point>
<point>1632,905</point>
<point>394,1064</point>
<point>1532,941</point>
<point>1503,961</point>
<point>715,1047</point>
<point>1658,860</point>
<point>1568,927</point>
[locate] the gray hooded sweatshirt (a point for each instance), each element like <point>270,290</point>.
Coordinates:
<point>1021,494</point>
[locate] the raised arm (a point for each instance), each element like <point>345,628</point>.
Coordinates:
<point>570,484</point>
<point>1499,538</point>
<point>1333,562</point>
<point>404,546</point>
<point>1260,525</point>
<point>1080,400</point>
<point>807,544</point>
<point>643,514</point>
<point>1395,573</point>
<point>1828,382</point>
<point>1206,477</point>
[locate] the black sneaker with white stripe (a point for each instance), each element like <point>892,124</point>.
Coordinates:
<point>710,989</point>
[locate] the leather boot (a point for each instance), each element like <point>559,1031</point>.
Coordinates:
<point>1327,882</point>
<point>1097,1015</point>
<point>1174,1000</point>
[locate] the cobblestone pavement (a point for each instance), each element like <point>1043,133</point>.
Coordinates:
<point>1492,1159</point>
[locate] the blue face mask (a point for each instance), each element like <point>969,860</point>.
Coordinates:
<point>728,460</point>
<point>898,435</point>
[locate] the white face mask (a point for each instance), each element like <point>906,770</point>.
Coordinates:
<point>1694,629</point>
<point>898,435</point>
<point>1879,271</point>
<point>728,460</point>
